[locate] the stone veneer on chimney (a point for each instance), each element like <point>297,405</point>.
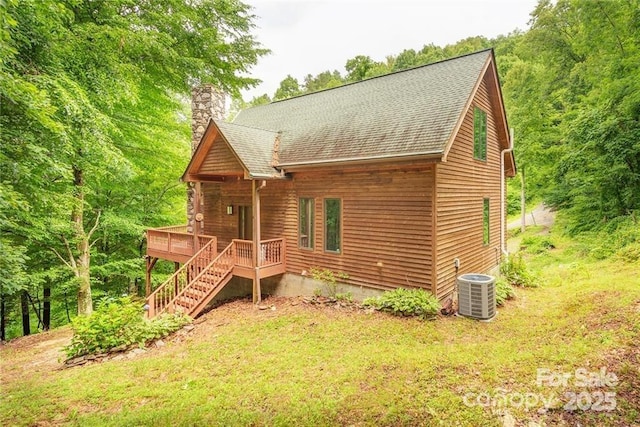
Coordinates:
<point>207,102</point>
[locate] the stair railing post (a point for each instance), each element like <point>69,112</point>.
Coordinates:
<point>152,306</point>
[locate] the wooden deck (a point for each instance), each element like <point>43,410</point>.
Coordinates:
<point>174,243</point>
<point>205,271</point>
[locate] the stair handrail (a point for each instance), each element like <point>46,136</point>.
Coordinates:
<point>151,298</point>
<point>204,270</point>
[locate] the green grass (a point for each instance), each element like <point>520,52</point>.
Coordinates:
<point>321,366</point>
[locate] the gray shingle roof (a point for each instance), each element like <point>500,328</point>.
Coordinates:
<point>253,146</point>
<point>409,112</point>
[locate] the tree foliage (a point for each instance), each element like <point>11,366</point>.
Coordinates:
<point>572,94</point>
<point>94,131</point>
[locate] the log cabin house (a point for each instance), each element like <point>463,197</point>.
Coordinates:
<point>396,181</point>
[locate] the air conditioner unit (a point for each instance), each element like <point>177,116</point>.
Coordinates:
<point>477,296</point>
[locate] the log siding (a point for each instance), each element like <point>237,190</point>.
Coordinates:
<point>386,222</point>
<point>221,158</point>
<point>463,183</point>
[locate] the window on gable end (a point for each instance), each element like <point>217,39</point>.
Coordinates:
<point>479,134</point>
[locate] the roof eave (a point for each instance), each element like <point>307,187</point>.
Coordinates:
<point>355,161</point>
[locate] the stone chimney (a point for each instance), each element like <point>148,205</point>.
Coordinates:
<point>207,102</point>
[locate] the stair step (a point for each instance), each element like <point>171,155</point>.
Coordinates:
<point>195,293</point>
<point>186,303</point>
<point>181,306</point>
<point>202,286</point>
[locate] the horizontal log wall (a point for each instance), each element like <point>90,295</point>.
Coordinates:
<point>386,222</point>
<point>217,196</point>
<point>463,183</point>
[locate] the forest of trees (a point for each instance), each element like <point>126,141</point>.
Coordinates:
<point>94,134</point>
<point>95,130</point>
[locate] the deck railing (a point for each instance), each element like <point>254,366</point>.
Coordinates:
<point>164,296</point>
<point>207,269</point>
<point>271,252</point>
<point>243,252</point>
<point>175,240</point>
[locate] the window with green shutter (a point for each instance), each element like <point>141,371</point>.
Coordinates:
<point>479,134</point>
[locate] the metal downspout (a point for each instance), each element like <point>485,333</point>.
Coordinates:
<point>503,225</point>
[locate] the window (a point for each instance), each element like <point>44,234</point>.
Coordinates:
<point>332,225</point>
<point>479,134</point>
<point>485,222</point>
<point>306,208</point>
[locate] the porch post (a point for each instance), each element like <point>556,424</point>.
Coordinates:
<point>147,288</point>
<point>257,296</point>
<point>151,262</point>
<point>196,217</point>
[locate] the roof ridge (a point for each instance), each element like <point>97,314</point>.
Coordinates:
<point>489,49</point>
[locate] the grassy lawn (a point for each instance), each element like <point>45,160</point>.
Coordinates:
<point>309,365</point>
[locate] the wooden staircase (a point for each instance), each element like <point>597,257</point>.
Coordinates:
<point>195,284</point>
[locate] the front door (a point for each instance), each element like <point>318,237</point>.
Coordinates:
<point>245,223</point>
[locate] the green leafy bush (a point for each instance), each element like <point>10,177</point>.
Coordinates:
<point>618,237</point>
<point>504,291</point>
<point>406,302</point>
<point>329,279</point>
<point>118,322</point>
<point>515,272</point>
<point>537,244</point>
<point>629,253</point>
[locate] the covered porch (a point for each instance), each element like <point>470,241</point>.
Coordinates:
<point>205,262</point>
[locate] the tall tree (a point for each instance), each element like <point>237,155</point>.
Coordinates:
<point>81,84</point>
<point>587,54</point>
<point>288,87</point>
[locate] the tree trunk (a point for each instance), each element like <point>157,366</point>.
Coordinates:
<point>3,335</point>
<point>66,307</point>
<point>46,308</point>
<point>24,304</point>
<point>83,262</point>
<point>523,203</point>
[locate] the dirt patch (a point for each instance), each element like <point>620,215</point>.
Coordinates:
<point>33,354</point>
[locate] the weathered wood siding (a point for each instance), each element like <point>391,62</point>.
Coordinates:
<point>386,227</point>
<point>462,184</point>
<point>219,159</point>
<point>217,196</point>
<point>386,222</point>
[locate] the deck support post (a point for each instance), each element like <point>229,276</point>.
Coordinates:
<point>255,191</point>
<point>151,262</point>
<point>197,217</point>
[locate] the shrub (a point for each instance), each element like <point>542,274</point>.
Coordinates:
<point>537,244</point>
<point>329,279</point>
<point>118,322</point>
<point>504,291</point>
<point>629,253</point>
<point>516,273</point>
<point>406,302</point>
